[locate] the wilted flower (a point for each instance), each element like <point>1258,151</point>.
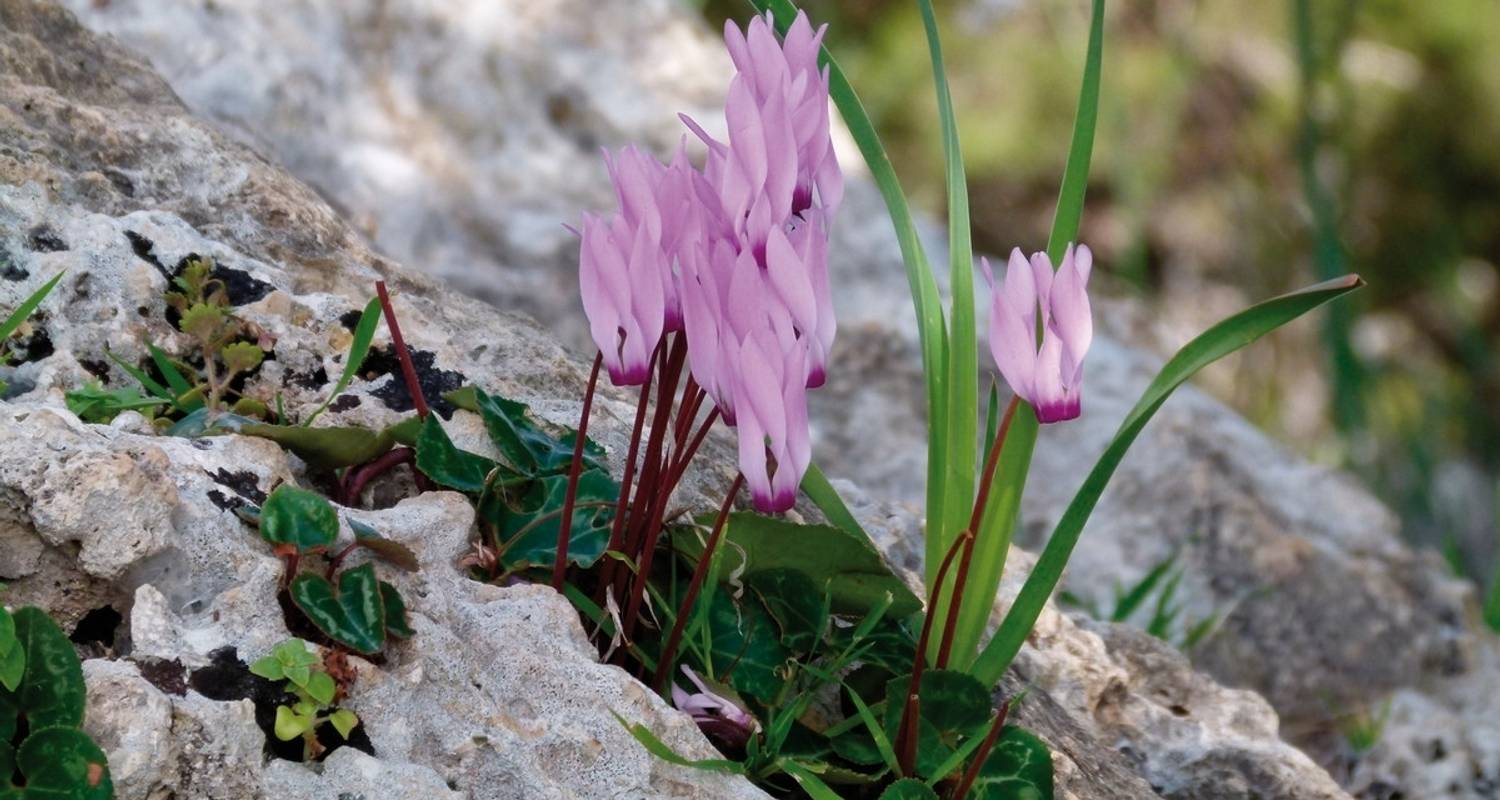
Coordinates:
<point>720,718</point>
<point>1049,376</point>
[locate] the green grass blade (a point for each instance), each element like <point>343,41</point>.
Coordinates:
<point>1133,599</point>
<point>364,334</point>
<point>145,380</point>
<point>1222,339</point>
<point>876,730</point>
<point>961,416</point>
<point>991,420</point>
<point>930,322</point>
<point>665,752</point>
<point>808,780</point>
<point>27,306</point>
<point>817,488</point>
<point>1080,151</point>
<point>179,384</point>
<point>998,524</point>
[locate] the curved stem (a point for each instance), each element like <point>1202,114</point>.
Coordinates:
<point>906,733</point>
<point>617,528</point>
<point>408,370</point>
<point>664,661</point>
<point>972,773</point>
<point>565,528</point>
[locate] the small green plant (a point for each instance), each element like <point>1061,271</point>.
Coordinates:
<point>94,403</point>
<point>18,317</point>
<point>315,691</point>
<point>1161,581</point>
<point>1362,730</point>
<point>353,607</point>
<point>44,753</point>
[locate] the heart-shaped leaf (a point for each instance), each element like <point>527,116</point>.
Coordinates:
<point>343,721</point>
<point>745,647</point>
<point>395,612</point>
<point>954,701</point>
<point>524,445</point>
<point>528,527</point>
<point>290,724</point>
<point>856,577</point>
<point>51,691</point>
<point>795,602</point>
<point>439,459</point>
<point>353,615</point>
<point>1019,768</point>
<point>299,518</point>
<point>61,763</point>
<point>391,550</point>
<point>909,789</point>
<point>932,748</point>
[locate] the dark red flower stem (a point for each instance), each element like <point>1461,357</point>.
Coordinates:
<point>679,467</point>
<point>956,597</point>
<point>338,559</point>
<point>641,541</point>
<point>565,522</point>
<point>669,651</point>
<point>617,528</point>
<point>906,733</point>
<point>408,370</point>
<point>972,773</point>
<point>357,478</point>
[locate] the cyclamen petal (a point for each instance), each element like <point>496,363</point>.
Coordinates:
<point>1048,375</point>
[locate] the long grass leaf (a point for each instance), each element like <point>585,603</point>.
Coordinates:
<point>364,334</point>
<point>817,488</point>
<point>1222,339</point>
<point>27,306</point>
<point>809,780</point>
<point>1069,213</point>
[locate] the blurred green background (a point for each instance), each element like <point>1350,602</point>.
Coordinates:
<point>1245,149</point>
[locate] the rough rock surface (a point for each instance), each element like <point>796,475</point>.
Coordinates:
<point>390,111</point>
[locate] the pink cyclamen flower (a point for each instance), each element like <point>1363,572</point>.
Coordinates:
<point>627,261</point>
<point>1049,374</point>
<point>719,717</point>
<point>777,180</point>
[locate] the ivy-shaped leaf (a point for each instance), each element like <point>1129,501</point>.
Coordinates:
<point>525,446</point>
<point>439,459</point>
<point>61,763</point>
<point>746,648</point>
<point>856,576</point>
<point>909,789</point>
<point>528,527</point>
<point>795,602</point>
<point>299,518</point>
<point>1019,768</point>
<point>52,690</point>
<point>353,615</point>
<point>395,612</point>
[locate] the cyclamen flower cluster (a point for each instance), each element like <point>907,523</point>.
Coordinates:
<point>734,256</point>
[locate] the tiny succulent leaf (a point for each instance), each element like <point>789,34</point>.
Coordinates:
<point>202,321</point>
<point>353,615</point>
<point>320,687</point>
<point>299,518</point>
<point>343,721</point>
<point>290,725</point>
<point>242,356</point>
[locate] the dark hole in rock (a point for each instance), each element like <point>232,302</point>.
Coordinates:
<point>95,633</point>
<point>240,286</point>
<point>145,250</point>
<point>42,239</point>
<point>11,271</point>
<point>121,181</point>
<point>1180,711</point>
<point>99,369</point>
<point>350,319</point>
<point>33,347</point>
<point>224,501</point>
<point>345,402</point>
<point>434,382</point>
<point>228,678</point>
<point>168,676</point>
<point>314,379</point>
<point>244,483</point>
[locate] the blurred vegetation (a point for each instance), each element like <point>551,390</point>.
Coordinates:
<point>1245,149</point>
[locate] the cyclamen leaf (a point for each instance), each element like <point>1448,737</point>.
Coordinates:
<point>439,459</point>
<point>63,762</point>
<point>1222,339</point>
<point>51,690</point>
<point>395,612</point>
<point>353,615</point>
<point>1018,768</point>
<point>299,518</point>
<point>389,549</point>
<point>528,527</point>
<point>745,648</point>
<point>325,448</point>
<point>909,789</point>
<point>795,602</point>
<point>524,445</point>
